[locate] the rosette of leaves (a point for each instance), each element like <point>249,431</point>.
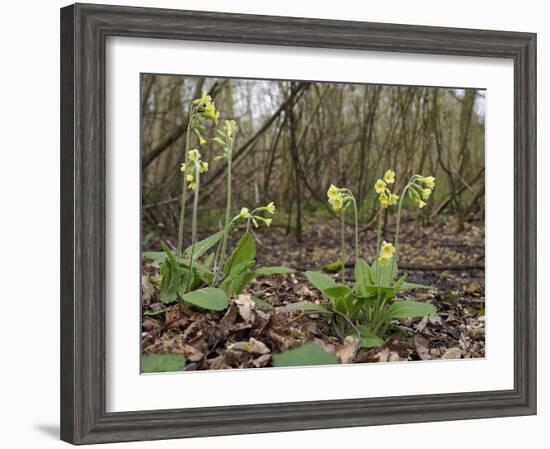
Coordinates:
<point>370,305</point>
<point>179,279</point>
<point>240,268</point>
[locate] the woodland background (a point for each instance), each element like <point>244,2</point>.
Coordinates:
<point>296,138</point>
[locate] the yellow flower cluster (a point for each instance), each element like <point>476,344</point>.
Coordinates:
<point>205,107</point>
<point>193,156</point>
<point>386,253</point>
<point>386,197</point>
<point>254,215</point>
<point>337,198</point>
<point>421,189</point>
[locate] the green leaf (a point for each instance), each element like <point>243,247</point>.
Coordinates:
<point>306,307</point>
<point>245,251</point>
<point>307,355</point>
<point>337,291</point>
<point>408,309</point>
<point>362,271</point>
<point>262,304</point>
<point>371,341</point>
<point>161,363</point>
<point>204,245</point>
<point>270,271</point>
<point>207,298</point>
<point>153,313</point>
<point>410,286</point>
<point>333,267</point>
<point>209,261</point>
<point>319,280</point>
<point>173,277</point>
<point>155,256</point>
<point>383,275</point>
<point>237,284</point>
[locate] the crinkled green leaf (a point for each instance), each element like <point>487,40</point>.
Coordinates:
<point>410,286</point>
<point>408,309</point>
<point>306,307</point>
<point>362,273</point>
<point>337,291</point>
<point>371,341</point>
<point>155,256</point>
<point>319,280</point>
<point>270,271</point>
<point>204,245</point>
<point>262,304</point>
<point>161,363</point>
<point>245,251</point>
<point>383,275</point>
<point>306,355</point>
<point>236,283</point>
<point>208,298</point>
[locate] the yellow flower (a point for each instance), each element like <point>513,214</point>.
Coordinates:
<point>380,186</point>
<point>336,202</point>
<point>202,141</point>
<point>206,107</point>
<point>389,177</point>
<point>270,208</point>
<point>267,221</point>
<point>420,203</point>
<point>182,168</point>
<point>426,193</point>
<point>204,100</point>
<point>190,178</point>
<point>203,167</point>
<point>194,155</point>
<point>429,181</point>
<point>384,261</point>
<point>392,200</point>
<point>211,113</point>
<point>192,186</point>
<point>387,250</point>
<point>384,200</point>
<point>245,213</point>
<point>333,191</point>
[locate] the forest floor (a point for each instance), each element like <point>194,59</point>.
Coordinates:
<point>258,322</point>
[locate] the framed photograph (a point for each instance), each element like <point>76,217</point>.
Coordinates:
<point>274,224</point>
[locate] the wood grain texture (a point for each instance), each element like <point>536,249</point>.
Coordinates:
<point>84,29</point>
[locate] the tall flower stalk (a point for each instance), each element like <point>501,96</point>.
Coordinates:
<point>226,139</point>
<point>340,199</point>
<point>201,110</point>
<point>194,184</point>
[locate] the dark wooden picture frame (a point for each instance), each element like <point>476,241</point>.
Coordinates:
<point>84,29</point>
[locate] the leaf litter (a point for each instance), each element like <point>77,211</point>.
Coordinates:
<point>260,322</point>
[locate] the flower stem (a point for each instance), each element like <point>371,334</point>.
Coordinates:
<point>379,231</point>
<point>184,190</point>
<point>227,213</point>
<point>194,222</point>
<point>356,228</point>
<point>342,246</point>
<point>398,223</point>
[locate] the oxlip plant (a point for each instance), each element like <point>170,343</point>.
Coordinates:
<point>192,275</point>
<point>367,308</point>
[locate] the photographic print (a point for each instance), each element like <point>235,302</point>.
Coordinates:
<point>296,223</point>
